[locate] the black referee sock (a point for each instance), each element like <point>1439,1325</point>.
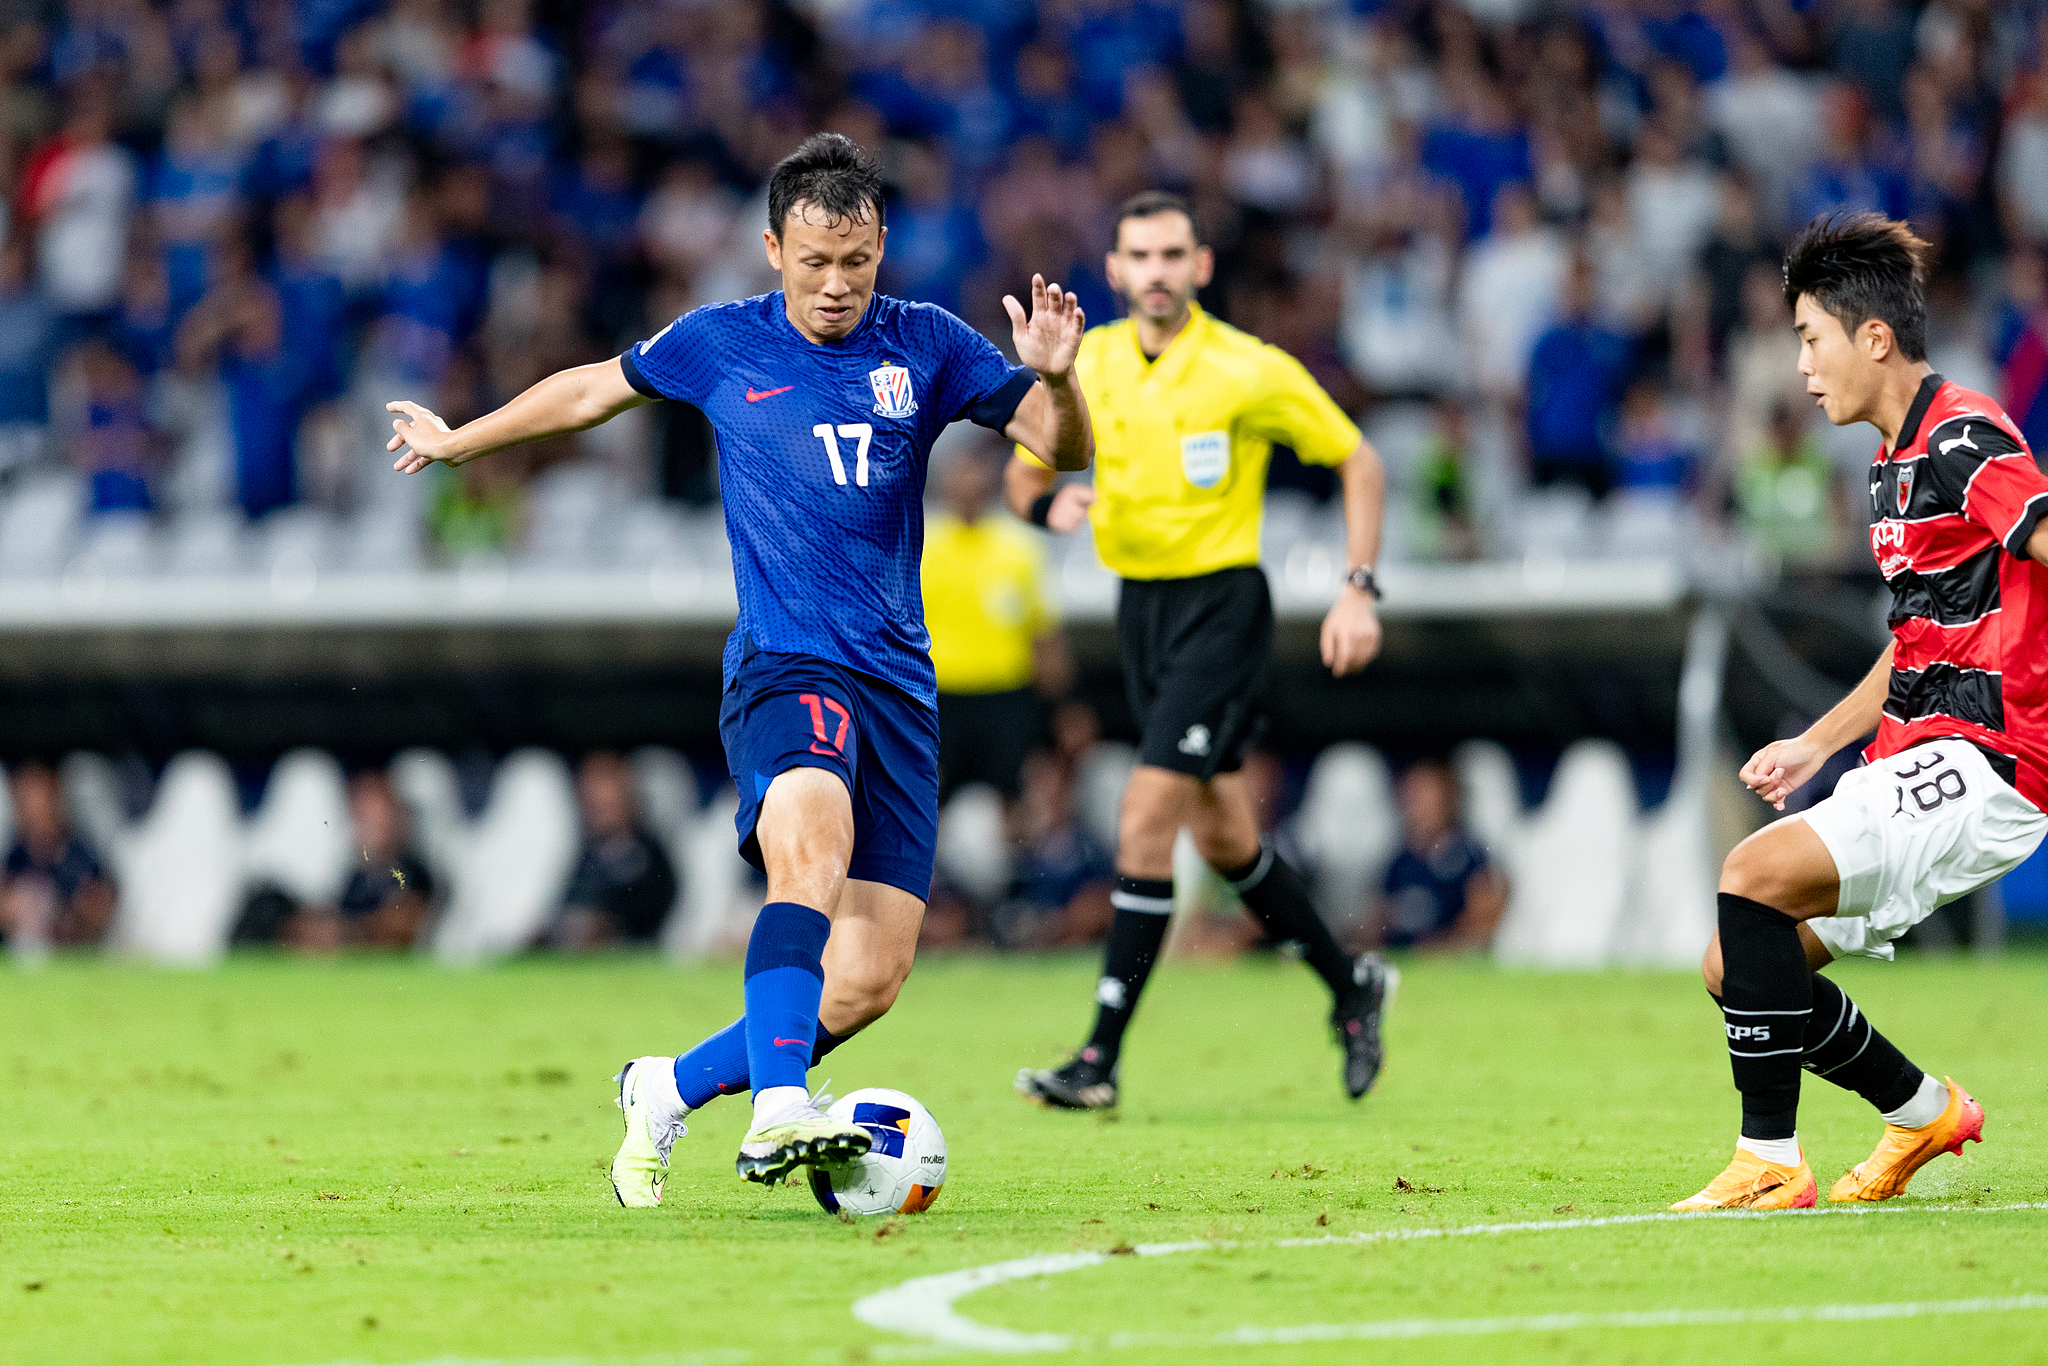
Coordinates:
<point>1278,899</point>
<point>824,1042</point>
<point>1842,1046</point>
<point>1766,999</point>
<point>1144,908</point>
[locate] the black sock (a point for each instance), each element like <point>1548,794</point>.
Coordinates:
<point>1144,908</point>
<point>1766,999</point>
<point>1278,899</point>
<point>1842,1046</point>
<point>824,1042</point>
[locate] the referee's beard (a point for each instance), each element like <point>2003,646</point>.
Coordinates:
<point>1160,305</point>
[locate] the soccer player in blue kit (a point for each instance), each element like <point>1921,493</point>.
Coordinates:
<point>826,398</point>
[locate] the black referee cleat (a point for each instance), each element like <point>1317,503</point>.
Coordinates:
<point>1080,1085</point>
<point>1357,1022</point>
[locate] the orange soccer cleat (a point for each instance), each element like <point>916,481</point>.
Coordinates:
<point>1901,1152</point>
<point>1752,1183</point>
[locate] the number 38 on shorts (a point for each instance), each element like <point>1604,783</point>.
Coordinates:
<point>1928,784</point>
<point>1913,831</point>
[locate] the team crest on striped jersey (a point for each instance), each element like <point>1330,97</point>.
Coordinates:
<point>893,395</point>
<point>1905,487</point>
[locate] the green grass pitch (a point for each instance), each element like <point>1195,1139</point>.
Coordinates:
<point>283,1163</point>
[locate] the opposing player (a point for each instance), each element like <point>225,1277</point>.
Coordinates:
<point>1186,412</point>
<point>1957,779</point>
<point>826,398</point>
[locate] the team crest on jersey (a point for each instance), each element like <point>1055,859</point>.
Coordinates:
<point>1905,487</point>
<point>893,395</point>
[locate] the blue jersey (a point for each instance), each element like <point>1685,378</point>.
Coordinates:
<point>821,464</point>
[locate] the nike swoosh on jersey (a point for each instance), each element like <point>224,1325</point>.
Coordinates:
<point>755,396</point>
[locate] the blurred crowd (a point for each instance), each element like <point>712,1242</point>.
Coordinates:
<point>232,228</point>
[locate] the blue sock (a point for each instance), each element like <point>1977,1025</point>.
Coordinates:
<point>717,1067</point>
<point>785,978</point>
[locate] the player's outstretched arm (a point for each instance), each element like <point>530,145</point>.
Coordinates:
<point>1351,630</point>
<point>1052,421</point>
<point>567,401</point>
<point>1782,767</point>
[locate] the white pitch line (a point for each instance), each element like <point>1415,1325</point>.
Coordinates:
<point>1551,1323</point>
<point>923,1307</point>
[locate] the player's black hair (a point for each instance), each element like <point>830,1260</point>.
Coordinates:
<point>832,173</point>
<point>1145,204</point>
<point>1860,266</point>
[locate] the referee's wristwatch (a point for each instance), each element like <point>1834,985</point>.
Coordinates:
<point>1363,580</point>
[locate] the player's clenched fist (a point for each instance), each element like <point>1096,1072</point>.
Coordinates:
<point>423,431</point>
<point>1048,339</point>
<point>1351,634</point>
<point>1781,768</point>
<point>1069,508</point>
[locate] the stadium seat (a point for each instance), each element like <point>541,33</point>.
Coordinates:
<point>425,780</point>
<point>37,525</point>
<point>300,840</point>
<point>650,531</point>
<point>572,510</point>
<point>92,796</point>
<point>297,545</point>
<point>1671,909</point>
<point>1572,875</point>
<point>1099,789</point>
<point>179,870</point>
<point>1554,523</point>
<point>667,788</point>
<point>1646,524</point>
<point>973,853</point>
<point>1493,800</point>
<point>521,851</point>
<point>204,543</point>
<point>1347,830</point>
<point>720,900</point>
<point>114,545</point>
<point>381,541</point>
<point>1197,890</point>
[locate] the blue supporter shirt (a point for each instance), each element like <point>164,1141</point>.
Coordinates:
<point>821,464</point>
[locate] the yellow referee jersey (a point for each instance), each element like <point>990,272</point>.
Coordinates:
<point>1182,443</point>
<point>984,602</point>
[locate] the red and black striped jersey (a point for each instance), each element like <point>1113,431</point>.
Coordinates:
<point>1953,505</point>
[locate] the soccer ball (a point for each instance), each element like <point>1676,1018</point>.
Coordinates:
<point>901,1174</point>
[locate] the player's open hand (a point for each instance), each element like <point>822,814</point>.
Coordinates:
<point>1351,633</point>
<point>1048,339</point>
<point>424,432</point>
<point>1069,510</point>
<point>1781,768</point>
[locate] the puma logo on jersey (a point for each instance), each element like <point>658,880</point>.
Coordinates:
<point>1963,440</point>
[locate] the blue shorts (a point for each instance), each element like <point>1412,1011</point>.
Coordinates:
<point>784,711</point>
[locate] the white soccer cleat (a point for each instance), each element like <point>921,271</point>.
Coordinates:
<point>654,1121</point>
<point>804,1136</point>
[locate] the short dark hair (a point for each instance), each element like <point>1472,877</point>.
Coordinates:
<point>1860,266</point>
<point>831,172</point>
<point>1147,203</point>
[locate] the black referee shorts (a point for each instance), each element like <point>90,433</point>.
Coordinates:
<point>984,737</point>
<point>1196,652</point>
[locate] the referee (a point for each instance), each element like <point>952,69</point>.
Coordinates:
<point>1186,411</point>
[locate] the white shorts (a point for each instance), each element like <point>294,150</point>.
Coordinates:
<point>1914,832</point>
